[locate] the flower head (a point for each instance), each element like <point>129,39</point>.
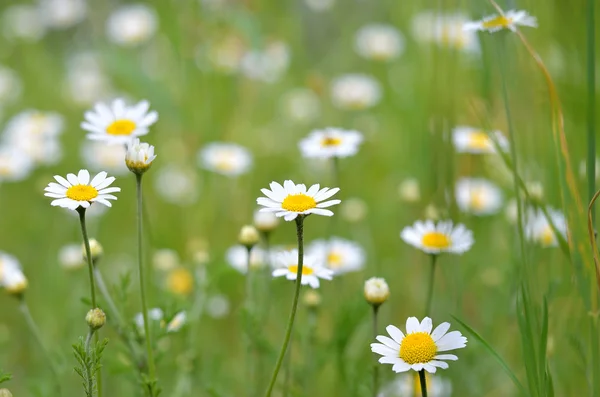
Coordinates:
<point>265,221</point>
<point>78,191</point>
<point>12,278</point>
<point>419,348</point>
<point>376,290</point>
<point>131,24</point>
<point>539,230</point>
<point>119,123</point>
<point>95,318</point>
<point>478,196</point>
<point>312,270</point>
<point>338,255</point>
<point>227,159</point>
<point>139,156</point>
<point>355,92</point>
<point>290,200</point>
<point>237,257</point>
<point>508,20</point>
<point>477,141</point>
<point>331,142</point>
<point>248,236</point>
<point>177,322</point>
<point>180,281</point>
<point>445,30</point>
<point>379,42</point>
<point>70,257</point>
<point>437,238</point>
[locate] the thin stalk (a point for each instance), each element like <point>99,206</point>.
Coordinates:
<point>290,324</point>
<point>310,350</point>
<point>90,376</point>
<point>591,90</point>
<point>38,336</point>
<point>109,301</point>
<point>430,285</point>
<point>250,364</point>
<point>287,369</point>
<point>376,365</point>
<point>148,337</point>
<point>423,381</point>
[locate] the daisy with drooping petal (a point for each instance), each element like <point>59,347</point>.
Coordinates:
<point>119,123</point>
<point>437,238</point>
<point>476,141</point>
<point>509,20</point>
<point>539,230</point>
<point>312,271</point>
<point>337,254</point>
<point>478,196</point>
<point>331,142</point>
<point>227,159</point>
<point>12,278</point>
<point>78,191</point>
<point>290,200</point>
<point>418,349</point>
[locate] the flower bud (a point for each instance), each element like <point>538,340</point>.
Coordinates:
<point>376,291</point>
<point>265,221</point>
<point>353,210</point>
<point>312,299</point>
<point>95,319</point>
<point>95,249</point>
<point>139,157</point>
<point>409,190</point>
<point>11,275</point>
<point>248,236</point>
<point>5,393</point>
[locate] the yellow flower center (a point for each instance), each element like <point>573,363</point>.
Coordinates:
<point>436,240</point>
<point>82,192</point>
<point>180,282</point>
<point>298,202</point>
<point>547,236</point>
<point>479,140</point>
<point>477,199</point>
<point>498,22</point>
<point>306,271</point>
<point>418,348</point>
<point>335,260</point>
<point>329,141</point>
<point>121,127</point>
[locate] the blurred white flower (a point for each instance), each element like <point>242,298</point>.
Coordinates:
<point>476,141</point>
<point>155,314</point>
<point>12,278</point>
<point>337,254</point>
<point>176,184</point>
<point>14,164</point>
<point>478,196</point>
<point>538,229</point>
<point>445,30</point>
<point>355,92</point>
<point>224,158</point>
<point>132,24</point>
<point>86,81</point>
<point>379,42</point>
<point>301,105</point>
<point>217,306</point>
<point>509,20</point>
<point>409,190</point>
<point>408,385</point>
<point>237,257</point>
<point>70,257</point>
<point>98,156</point>
<point>511,211</point>
<point>62,14</point>
<point>319,5</point>
<point>312,269</point>
<point>178,321</point>
<point>266,65</point>
<point>224,55</point>
<point>165,259</point>
<point>10,85</point>
<point>22,21</point>
<point>265,221</point>
<point>331,142</point>
<point>353,209</point>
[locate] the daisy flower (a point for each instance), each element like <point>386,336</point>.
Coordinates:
<point>509,20</point>
<point>355,92</point>
<point>131,24</point>
<point>538,229</point>
<point>98,156</point>
<point>78,191</point>
<point>139,156</point>
<point>478,196</point>
<point>331,142</point>
<point>227,159</point>
<point>237,257</point>
<point>70,257</point>
<point>12,278</point>
<point>419,348</point>
<point>311,270</point>
<point>379,42</point>
<point>476,141</point>
<point>118,123</point>
<point>339,255</point>
<point>445,30</point>
<point>177,322</point>
<point>438,238</point>
<point>154,315</point>
<point>290,200</point>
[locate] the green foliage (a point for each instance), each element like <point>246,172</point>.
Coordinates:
<point>89,357</point>
<point>4,376</point>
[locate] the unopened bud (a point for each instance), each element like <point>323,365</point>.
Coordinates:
<point>95,249</point>
<point>265,221</point>
<point>248,236</point>
<point>139,157</point>
<point>95,318</point>
<point>376,291</point>
<point>312,299</point>
<point>5,393</point>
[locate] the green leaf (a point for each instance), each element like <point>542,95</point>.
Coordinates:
<point>4,376</point>
<point>493,352</point>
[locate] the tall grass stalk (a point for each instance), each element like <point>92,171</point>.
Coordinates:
<point>430,285</point>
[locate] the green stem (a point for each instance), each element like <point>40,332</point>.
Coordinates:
<point>290,324</point>
<point>591,90</point>
<point>423,381</point>
<point>109,301</point>
<point>90,373</point>
<point>38,336</point>
<point>88,253</point>
<point>376,366</point>
<point>148,337</point>
<point>250,365</point>
<point>430,285</point>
